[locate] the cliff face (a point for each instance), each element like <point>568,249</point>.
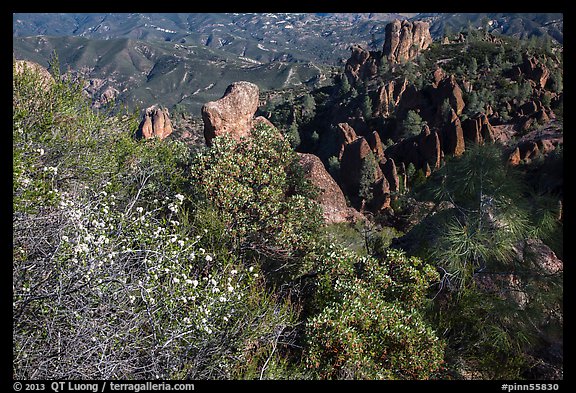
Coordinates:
<point>405,40</point>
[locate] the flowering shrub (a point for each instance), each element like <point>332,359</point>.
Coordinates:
<point>110,280</point>
<point>365,324</point>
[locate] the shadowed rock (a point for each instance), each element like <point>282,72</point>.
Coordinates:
<point>331,198</point>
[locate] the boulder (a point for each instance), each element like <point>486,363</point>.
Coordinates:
<point>429,148</point>
<point>478,129</point>
<point>155,123</point>
<point>233,113</point>
<point>330,196</point>
<point>389,96</point>
<point>535,70</point>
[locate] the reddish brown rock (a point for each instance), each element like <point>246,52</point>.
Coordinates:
<point>361,65</point>
<point>330,196</point>
<point>381,200</point>
<point>391,173</point>
<point>430,148</point>
<point>155,123</point>
<point>542,257</point>
<point>388,97</point>
<point>438,76</point>
<point>535,70</point>
<point>375,143</point>
<point>405,40</point>
<point>514,158</point>
<point>233,113</point>
<point>478,129</point>
<point>454,137</point>
<point>351,164</point>
<point>449,89</point>
<point>346,135</point>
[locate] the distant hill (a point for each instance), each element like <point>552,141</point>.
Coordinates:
<point>519,25</point>
<point>164,72</point>
<point>261,36</point>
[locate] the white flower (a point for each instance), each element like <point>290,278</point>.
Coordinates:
<point>172,207</point>
<point>65,238</point>
<point>226,319</point>
<point>222,298</point>
<point>213,282</point>
<point>180,197</point>
<point>215,290</point>
<point>195,283</point>
<point>139,209</point>
<point>230,288</point>
<point>40,151</point>
<point>233,272</point>
<point>175,280</point>
<point>181,243</point>
<point>209,258</point>
<point>250,269</point>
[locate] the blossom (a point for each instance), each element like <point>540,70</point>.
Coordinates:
<point>180,197</point>
<point>209,258</point>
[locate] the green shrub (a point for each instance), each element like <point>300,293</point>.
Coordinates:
<point>368,322</point>
<point>258,189</point>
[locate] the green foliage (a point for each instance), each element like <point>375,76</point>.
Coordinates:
<point>412,125</point>
<point>367,177</point>
<point>334,167</point>
<point>366,107</point>
<point>123,284</point>
<point>293,136</point>
<point>344,85</point>
<point>258,189</point>
<point>367,326</point>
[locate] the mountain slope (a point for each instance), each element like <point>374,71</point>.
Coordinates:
<point>146,73</point>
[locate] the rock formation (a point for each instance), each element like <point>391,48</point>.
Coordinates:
<point>155,123</point>
<point>448,88</point>
<point>233,113</point>
<point>478,129</point>
<point>388,97</point>
<point>351,164</point>
<point>453,141</point>
<point>331,198</point>
<point>361,65</point>
<point>534,70</point>
<point>405,40</point>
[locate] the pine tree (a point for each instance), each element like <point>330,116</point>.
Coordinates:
<point>367,172</point>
